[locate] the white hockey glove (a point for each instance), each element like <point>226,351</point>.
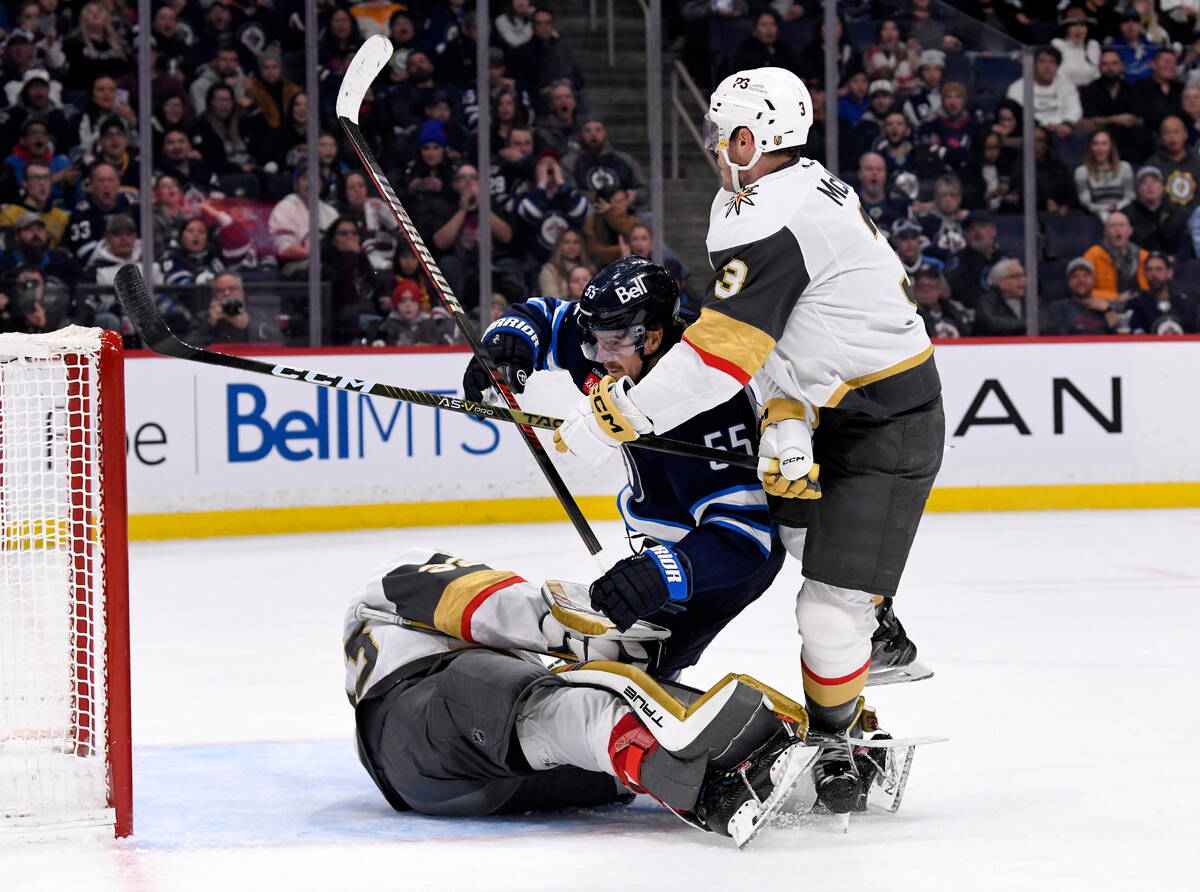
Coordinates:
<point>785,451</point>
<point>601,421</point>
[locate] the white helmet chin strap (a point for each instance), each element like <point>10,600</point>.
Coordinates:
<point>735,168</point>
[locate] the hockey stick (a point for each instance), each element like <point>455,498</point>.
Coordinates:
<point>146,318</point>
<point>370,59</point>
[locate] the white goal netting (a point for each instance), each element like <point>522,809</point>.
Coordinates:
<point>53,760</point>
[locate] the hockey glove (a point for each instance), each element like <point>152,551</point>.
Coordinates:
<point>513,355</point>
<point>601,421</point>
<point>658,578</point>
<point>785,452</point>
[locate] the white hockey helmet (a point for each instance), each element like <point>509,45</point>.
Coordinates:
<point>772,103</point>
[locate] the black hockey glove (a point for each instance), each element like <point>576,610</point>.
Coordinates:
<point>512,354</point>
<point>658,578</point>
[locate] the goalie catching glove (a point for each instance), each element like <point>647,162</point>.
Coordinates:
<point>513,355</point>
<point>601,421</point>
<point>785,451</point>
<point>658,578</point>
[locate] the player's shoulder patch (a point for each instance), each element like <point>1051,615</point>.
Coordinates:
<point>754,212</point>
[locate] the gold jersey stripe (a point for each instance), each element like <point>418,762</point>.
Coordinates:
<point>834,694</point>
<point>737,343</point>
<point>903,366</point>
<point>458,596</point>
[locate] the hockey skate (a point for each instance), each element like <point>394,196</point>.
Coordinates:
<point>893,655</point>
<point>862,766</point>
<point>740,801</point>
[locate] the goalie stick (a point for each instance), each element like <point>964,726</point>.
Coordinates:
<point>139,306</point>
<point>370,59</point>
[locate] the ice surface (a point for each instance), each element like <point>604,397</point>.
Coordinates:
<point>1066,659</point>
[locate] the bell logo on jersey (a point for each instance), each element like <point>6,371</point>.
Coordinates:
<point>743,197</point>
<point>636,289</point>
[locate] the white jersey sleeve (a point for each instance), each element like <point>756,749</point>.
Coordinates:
<point>446,603</point>
<point>807,293</point>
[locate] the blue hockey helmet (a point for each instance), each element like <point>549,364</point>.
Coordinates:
<point>624,299</point>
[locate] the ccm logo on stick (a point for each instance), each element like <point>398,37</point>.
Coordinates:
<point>341,383</point>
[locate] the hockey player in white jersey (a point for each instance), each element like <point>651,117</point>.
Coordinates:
<point>811,302</point>
<point>456,714</point>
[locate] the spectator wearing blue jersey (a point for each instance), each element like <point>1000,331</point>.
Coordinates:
<point>854,103</point>
<point>1134,47</point>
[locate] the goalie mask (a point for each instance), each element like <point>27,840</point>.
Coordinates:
<point>621,302</point>
<point>772,103</point>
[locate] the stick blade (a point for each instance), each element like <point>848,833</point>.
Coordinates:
<point>139,307</point>
<point>375,53</point>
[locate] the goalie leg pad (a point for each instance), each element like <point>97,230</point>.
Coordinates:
<point>692,733</point>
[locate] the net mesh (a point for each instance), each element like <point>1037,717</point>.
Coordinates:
<point>53,766</point>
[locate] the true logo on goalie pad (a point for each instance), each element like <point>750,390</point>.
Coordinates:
<point>636,698</point>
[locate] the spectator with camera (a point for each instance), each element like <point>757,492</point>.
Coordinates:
<point>551,207</point>
<point>35,198</point>
<point>22,307</point>
<point>1082,312</point>
<point>1161,309</point>
<point>225,321</point>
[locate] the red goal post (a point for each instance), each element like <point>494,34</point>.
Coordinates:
<point>65,749</point>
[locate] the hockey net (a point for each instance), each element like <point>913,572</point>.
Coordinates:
<point>64,653</point>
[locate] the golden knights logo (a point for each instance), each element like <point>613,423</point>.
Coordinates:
<point>743,197</point>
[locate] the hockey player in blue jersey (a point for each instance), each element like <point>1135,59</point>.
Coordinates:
<point>711,548</point>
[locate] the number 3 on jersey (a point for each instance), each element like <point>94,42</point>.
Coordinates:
<point>731,280</point>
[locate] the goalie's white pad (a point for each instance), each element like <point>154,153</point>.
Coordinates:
<point>590,635</point>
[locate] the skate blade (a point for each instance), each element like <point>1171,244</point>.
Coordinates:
<point>914,671</point>
<point>752,817</point>
<point>888,787</point>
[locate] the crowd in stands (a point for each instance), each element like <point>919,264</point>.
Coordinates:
<point>230,114</point>
<point>930,131</point>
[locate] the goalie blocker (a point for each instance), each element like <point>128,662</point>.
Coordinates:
<point>456,715</point>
